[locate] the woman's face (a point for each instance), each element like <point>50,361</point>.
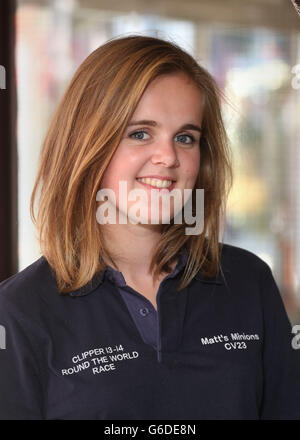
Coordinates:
<point>161,139</point>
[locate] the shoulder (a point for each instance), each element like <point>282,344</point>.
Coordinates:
<point>237,257</point>
<point>251,281</point>
<point>243,265</point>
<point>24,290</point>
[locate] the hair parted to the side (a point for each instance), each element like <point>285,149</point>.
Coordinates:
<point>83,135</point>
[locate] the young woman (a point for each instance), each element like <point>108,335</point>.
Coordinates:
<point>131,319</point>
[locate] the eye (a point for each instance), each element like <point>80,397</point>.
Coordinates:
<point>138,135</point>
<point>182,136</point>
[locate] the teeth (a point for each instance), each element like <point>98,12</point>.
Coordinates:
<point>158,183</point>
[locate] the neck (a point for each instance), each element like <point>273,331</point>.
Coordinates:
<point>131,247</point>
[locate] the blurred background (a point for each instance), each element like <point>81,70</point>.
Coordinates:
<point>251,47</point>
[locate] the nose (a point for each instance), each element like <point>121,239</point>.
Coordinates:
<point>165,154</point>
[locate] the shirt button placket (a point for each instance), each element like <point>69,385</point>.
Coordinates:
<point>144,311</point>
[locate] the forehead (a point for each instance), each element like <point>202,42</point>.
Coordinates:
<point>172,80</point>
<point>175,94</point>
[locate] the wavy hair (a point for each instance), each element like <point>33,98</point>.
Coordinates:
<point>83,135</point>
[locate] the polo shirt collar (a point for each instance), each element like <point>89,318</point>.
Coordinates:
<point>117,277</point>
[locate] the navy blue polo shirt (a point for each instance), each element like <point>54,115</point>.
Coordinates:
<point>219,349</point>
<point>140,308</point>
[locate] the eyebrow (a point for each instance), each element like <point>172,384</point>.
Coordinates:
<point>154,124</point>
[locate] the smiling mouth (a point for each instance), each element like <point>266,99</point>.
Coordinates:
<point>157,183</point>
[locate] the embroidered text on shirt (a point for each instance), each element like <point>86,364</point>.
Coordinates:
<point>231,342</point>
<point>99,360</point>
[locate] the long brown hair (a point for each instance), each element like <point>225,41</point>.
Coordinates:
<point>82,137</point>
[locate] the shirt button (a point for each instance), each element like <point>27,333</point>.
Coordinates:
<point>144,311</point>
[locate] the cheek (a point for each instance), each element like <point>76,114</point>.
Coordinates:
<point>191,167</point>
<point>112,174</point>
<point>122,167</point>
